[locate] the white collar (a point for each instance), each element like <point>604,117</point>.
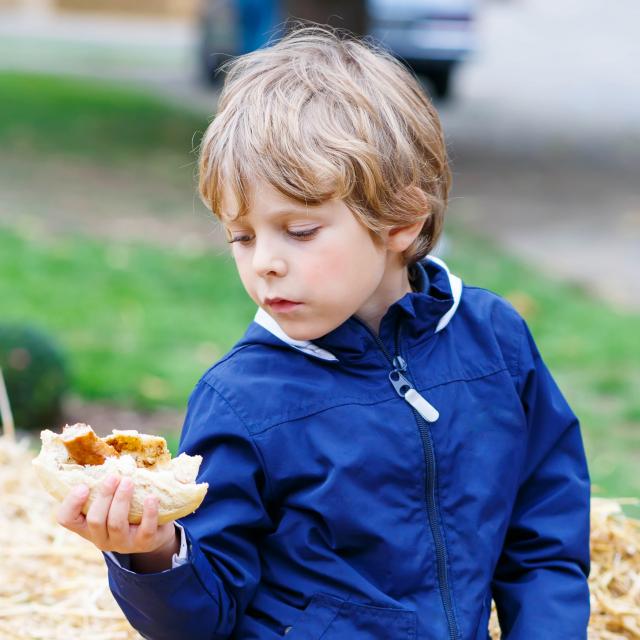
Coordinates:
<point>267,322</point>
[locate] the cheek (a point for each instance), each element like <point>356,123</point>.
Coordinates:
<point>341,264</point>
<point>247,277</point>
<point>325,267</point>
<point>353,256</point>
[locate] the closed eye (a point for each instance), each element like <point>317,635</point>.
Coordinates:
<point>304,233</point>
<point>241,239</point>
<point>299,235</point>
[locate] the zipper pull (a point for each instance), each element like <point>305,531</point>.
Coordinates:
<point>405,390</point>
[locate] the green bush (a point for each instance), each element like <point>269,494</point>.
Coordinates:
<point>35,374</point>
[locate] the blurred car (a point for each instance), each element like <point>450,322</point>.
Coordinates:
<point>430,36</point>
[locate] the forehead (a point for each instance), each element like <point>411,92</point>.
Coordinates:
<point>263,200</point>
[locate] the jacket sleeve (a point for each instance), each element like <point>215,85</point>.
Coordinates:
<point>540,582</point>
<point>203,598</point>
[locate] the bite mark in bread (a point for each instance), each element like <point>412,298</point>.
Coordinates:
<point>147,450</point>
<point>84,446</point>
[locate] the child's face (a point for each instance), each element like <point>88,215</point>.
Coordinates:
<point>318,259</point>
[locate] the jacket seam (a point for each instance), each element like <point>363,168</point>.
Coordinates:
<point>254,446</point>
<point>510,306</point>
<point>471,379</point>
<point>315,413</point>
<point>518,360</point>
<point>222,360</point>
<point>356,401</point>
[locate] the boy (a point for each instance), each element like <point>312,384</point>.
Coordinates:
<point>386,450</point>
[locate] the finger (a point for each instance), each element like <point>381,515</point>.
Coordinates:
<point>69,514</point>
<point>97,514</point>
<point>118,516</point>
<point>148,526</point>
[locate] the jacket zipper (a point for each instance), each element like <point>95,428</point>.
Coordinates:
<point>424,412</point>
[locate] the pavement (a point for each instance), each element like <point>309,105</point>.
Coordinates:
<point>543,129</point>
<point>545,140</point>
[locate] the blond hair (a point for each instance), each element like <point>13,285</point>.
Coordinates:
<point>322,115</point>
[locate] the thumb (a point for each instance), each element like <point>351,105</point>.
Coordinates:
<point>70,513</point>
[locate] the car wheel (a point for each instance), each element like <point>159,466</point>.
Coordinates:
<point>440,80</point>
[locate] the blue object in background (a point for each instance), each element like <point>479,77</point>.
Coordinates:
<point>430,36</point>
<point>258,22</point>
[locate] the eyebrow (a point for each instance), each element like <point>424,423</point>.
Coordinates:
<point>286,211</point>
<point>276,213</point>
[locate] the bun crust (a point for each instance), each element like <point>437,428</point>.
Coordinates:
<point>173,481</point>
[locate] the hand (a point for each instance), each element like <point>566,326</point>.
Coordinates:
<point>106,524</point>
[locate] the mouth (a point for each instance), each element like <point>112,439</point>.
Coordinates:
<point>281,305</point>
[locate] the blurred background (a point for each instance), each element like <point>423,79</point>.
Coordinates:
<point>116,290</point>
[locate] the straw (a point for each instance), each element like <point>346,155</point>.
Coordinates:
<point>6,416</point>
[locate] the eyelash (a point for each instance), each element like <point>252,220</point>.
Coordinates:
<point>306,233</point>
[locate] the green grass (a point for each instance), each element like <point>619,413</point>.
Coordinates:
<point>104,122</point>
<point>139,324</point>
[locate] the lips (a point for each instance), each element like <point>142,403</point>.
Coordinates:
<point>281,304</point>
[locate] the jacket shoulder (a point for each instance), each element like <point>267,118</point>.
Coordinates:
<point>265,384</point>
<point>496,319</point>
<point>488,304</point>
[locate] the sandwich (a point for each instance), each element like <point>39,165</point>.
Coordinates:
<point>78,456</point>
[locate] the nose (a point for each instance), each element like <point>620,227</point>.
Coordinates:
<point>266,262</point>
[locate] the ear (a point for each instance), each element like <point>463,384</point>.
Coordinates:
<point>400,238</point>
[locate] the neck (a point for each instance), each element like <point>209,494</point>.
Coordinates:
<point>393,286</point>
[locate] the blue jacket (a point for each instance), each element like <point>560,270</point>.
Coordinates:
<point>383,487</point>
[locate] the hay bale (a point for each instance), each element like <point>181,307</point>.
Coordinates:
<point>615,572</point>
<point>54,586</point>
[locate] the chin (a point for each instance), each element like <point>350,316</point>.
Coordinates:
<point>298,331</point>
<point>301,334</point>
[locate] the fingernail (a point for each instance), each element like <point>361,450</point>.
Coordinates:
<point>81,491</point>
<point>151,502</point>
<point>126,483</point>
<point>110,483</point>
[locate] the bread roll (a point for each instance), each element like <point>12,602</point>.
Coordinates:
<point>145,459</point>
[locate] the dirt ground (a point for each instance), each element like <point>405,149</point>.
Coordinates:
<point>72,196</point>
<point>104,417</point>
